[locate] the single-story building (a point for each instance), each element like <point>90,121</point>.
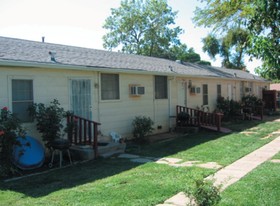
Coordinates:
<point>112,87</point>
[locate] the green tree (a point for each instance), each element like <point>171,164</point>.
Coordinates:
<point>142,27</point>
<point>181,52</point>
<point>265,44</point>
<point>230,47</point>
<point>260,17</point>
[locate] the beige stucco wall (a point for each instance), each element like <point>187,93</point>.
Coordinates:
<point>115,115</point>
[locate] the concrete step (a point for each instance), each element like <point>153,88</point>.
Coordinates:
<point>111,153</point>
<point>86,152</point>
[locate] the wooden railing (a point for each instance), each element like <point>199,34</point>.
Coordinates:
<point>82,131</point>
<point>197,117</point>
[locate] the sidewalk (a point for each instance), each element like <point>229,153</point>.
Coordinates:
<point>233,172</point>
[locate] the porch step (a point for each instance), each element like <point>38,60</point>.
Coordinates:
<point>105,150</point>
<point>111,149</point>
<point>111,153</point>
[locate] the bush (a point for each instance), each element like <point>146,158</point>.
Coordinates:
<point>228,107</point>
<point>252,101</point>
<point>10,129</point>
<point>49,120</point>
<point>142,126</point>
<point>206,194</point>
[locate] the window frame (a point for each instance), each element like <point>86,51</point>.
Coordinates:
<point>28,119</point>
<point>118,88</point>
<point>159,93</point>
<point>219,91</point>
<point>205,95</point>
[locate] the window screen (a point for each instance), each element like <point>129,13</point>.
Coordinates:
<point>219,90</point>
<point>110,87</point>
<point>205,94</point>
<point>161,87</point>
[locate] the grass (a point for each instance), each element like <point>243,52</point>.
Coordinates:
<point>121,182</point>
<point>210,146</point>
<point>104,182</point>
<point>260,187</point>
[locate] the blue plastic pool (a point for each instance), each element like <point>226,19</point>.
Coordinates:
<point>30,155</point>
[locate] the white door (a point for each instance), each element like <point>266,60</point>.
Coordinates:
<point>182,93</point>
<point>229,91</point>
<point>81,97</point>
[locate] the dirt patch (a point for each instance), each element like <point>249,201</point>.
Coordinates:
<point>248,133</point>
<point>275,161</point>
<point>210,165</point>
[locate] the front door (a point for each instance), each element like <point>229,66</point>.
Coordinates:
<point>230,96</point>
<point>81,97</point>
<point>182,93</point>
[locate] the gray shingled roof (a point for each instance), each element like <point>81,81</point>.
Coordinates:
<point>18,51</point>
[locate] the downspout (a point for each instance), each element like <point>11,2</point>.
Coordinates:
<point>98,87</point>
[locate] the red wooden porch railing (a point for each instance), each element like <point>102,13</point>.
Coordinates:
<point>82,131</point>
<point>199,118</point>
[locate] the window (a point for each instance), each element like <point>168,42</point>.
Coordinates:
<point>110,87</point>
<point>219,91</point>
<point>22,98</point>
<point>251,87</point>
<point>160,87</point>
<point>205,94</point>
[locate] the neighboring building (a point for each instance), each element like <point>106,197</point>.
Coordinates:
<point>110,87</point>
<point>276,87</point>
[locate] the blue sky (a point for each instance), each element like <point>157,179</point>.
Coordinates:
<point>79,22</point>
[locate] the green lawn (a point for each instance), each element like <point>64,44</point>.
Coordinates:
<point>259,187</point>
<point>120,182</point>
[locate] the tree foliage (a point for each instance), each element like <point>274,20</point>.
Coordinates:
<point>260,18</point>
<point>147,27</point>
<point>230,47</point>
<point>142,27</point>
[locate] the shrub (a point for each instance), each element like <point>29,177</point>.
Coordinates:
<point>206,194</point>
<point>228,107</point>
<point>49,120</point>
<point>10,129</point>
<point>252,101</point>
<point>142,126</point>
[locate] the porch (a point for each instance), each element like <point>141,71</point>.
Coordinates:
<point>189,117</point>
<point>186,117</point>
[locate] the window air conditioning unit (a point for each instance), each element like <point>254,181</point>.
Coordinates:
<point>193,90</point>
<point>137,90</point>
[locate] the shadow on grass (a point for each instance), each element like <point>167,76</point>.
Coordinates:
<point>68,177</point>
<point>79,174</point>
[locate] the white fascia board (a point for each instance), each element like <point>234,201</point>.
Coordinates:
<point>10,63</point>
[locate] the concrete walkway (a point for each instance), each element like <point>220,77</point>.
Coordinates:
<point>233,172</point>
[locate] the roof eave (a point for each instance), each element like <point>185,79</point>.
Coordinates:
<point>46,65</point>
